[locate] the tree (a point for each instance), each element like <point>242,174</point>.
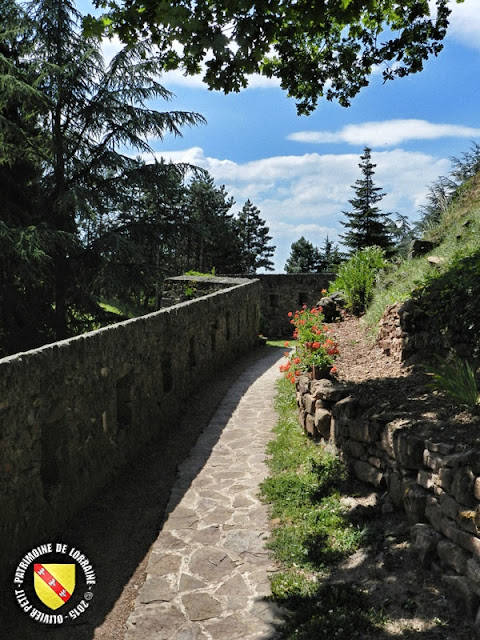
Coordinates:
<point>304,258</point>
<point>25,241</point>
<point>366,225</point>
<point>321,48</point>
<point>139,240</point>
<point>211,238</point>
<point>253,236</point>
<point>86,112</point>
<point>402,234</point>
<point>330,256</point>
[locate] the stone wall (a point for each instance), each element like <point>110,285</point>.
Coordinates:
<point>74,412</point>
<point>436,486</point>
<point>182,288</point>
<point>406,330</point>
<point>281,293</point>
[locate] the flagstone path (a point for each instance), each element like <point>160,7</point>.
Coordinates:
<point>208,571</point>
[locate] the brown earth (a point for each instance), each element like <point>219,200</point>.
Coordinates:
<point>401,387</point>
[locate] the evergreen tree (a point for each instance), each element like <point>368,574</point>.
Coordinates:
<point>330,256</point>
<point>254,239</point>
<point>25,242</point>
<point>87,111</point>
<point>304,258</point>
<point>211,238</point>
<point>366,225</point>
<point>402,233</point>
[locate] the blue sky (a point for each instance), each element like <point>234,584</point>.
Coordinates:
<point>299,170</point>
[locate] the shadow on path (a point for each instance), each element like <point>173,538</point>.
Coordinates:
<point>118,528</point>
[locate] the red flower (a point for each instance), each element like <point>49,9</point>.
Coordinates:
<point>289,314</point>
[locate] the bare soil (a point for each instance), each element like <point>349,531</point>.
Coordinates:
<point>401,388</point>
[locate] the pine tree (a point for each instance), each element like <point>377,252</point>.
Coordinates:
<point>366,225</point>
<point>25,242</point>
<point>304,258</point>
<point>330,255</point>
<point>253,236</point>
<point>212,242</point>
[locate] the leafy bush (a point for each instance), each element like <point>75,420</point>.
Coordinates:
<point>356,277</point>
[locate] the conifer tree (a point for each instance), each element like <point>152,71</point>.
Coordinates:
<point>254,240</point>
<point>330,255</point>
<point>88,113</point>
<point>303,258</point>
<point>366,225</point>
<point>212,242</point>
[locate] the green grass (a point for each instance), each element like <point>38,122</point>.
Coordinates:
<point>280,342</point>
<point>313,533</point>
<point>121,309</point>
<point>448,292</point>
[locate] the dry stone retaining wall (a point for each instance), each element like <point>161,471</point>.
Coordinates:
<point>438,487</point>
<point>406,329</point>
<point>73,412</point>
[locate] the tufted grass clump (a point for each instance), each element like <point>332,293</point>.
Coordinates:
<point>457,379</point>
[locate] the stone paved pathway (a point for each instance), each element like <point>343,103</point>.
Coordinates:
<point>208,571</point>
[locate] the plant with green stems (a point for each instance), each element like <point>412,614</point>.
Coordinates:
<point>357,277</point>
<point>457,378</point>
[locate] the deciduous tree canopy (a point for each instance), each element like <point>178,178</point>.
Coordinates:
<point>314,47</point>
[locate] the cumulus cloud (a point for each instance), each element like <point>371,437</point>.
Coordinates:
<point>387,132</point>
<point>306,194</point>
<point>465,23</point>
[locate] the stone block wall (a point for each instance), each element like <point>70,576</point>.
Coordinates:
<point>281,293</point>
<point>406,330</point>
<point>437,486</point>
<point>182,288</point>
<point>72,413</point>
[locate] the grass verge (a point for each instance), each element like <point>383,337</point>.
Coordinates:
<point>312,533</point>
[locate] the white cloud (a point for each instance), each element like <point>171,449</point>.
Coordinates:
<point>387,132</point>
<point>465,23</point>
<point>178,79</point>
<point>306,194</point>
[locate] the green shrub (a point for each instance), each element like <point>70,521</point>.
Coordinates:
<point>356,277</point>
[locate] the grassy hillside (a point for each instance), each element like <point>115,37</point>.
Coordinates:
<point>448,292</point>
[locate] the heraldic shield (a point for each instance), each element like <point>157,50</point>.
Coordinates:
<point>54,583</point>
